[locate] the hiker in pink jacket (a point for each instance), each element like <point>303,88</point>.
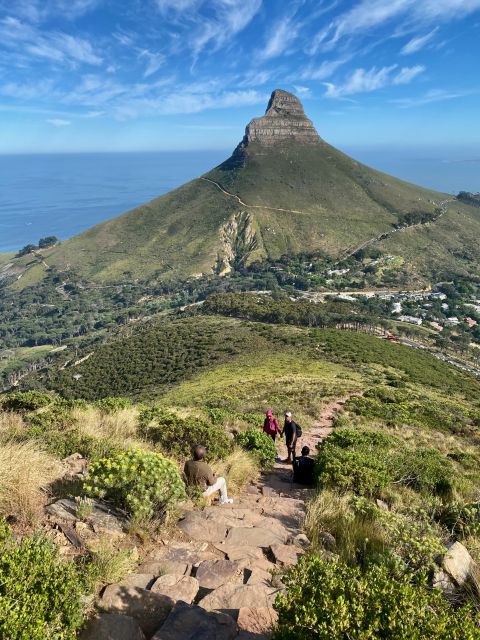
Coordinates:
<point>270,425</point>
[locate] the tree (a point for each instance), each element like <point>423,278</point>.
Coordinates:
<point>48,241</point>
<point>28,248</point>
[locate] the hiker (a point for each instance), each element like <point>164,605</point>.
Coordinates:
<point>303,468</point>
<point>292,431</point>
<point>199,474</point>
<point>270,425</point>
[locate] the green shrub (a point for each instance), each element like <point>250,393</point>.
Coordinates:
<point>355,461</point>
<point>112,405</point>
<point>462,519</point>
<point>39,593</point>
<point>331,601</point>
<point>425,469</point>
<point>145,484</point>
<point>26,401</point>
<point>177,436</point>
<point>260,444</point>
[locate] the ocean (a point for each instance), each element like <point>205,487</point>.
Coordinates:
<point>62,195</point>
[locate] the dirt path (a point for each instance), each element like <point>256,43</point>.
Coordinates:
<point>221,570</point>
<point>249,206</point>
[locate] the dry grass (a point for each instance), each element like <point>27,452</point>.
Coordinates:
<point>239,469</point>
<point>10,424</point>
<point>109,564</point>
<point>98,424</point>
<point>25,473</point>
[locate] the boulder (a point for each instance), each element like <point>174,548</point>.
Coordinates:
<point>177,587</point>
<point>198,527</point>
<point>160,567</point>
<point>285,555</point>
<point>458,563</point>
<point>231,597</point>
<point>327,540</point>
<point>112,626</point>
<point>258,576</point>
<point>211,574</point>
<point>103,517</point>
<point>76,466</point>
<point>189,622</point>
<point>441,580</point>
<point>257,536</point>
<point>301,541</point>
<point>149,609</point>
<point>140,580</point>
<point>240,553</point>
<point>256,623</point>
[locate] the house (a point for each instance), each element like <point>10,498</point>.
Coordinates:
<point>411,319</point>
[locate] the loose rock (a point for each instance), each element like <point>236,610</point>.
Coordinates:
<point>149,609</point>
<point>177,587</point>
<point>112,626</point>
<point>458,563</point>
<point>187,622</point>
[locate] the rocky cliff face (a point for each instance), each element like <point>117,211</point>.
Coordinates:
<point>284,120</point>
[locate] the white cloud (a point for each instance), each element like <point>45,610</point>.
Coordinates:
<point>154,62</point>
<point>302,91</point>
<point>419,42</point>
<point>370,14</point>
<point>58,122</point>
<point>322,71</point>
<point>360,81</point>
<point>407,74</point>
<point>282,34</point>
<point>40,10</point>
<point>435,95</point>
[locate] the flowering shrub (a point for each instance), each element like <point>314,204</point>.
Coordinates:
<point>260,444</point>
<point>143,483</point>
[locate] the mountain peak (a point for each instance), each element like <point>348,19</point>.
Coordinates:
<point>284,120</point>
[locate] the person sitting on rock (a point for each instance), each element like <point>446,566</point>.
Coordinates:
<point>199,474</point>
<point>270,425</point>
<point>303,468</point>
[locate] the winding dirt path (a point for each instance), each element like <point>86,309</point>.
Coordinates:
<point>244,204</point>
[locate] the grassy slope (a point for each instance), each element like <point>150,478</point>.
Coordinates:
<point>342,204</point>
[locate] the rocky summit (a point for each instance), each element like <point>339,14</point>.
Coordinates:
<point>284,120</point>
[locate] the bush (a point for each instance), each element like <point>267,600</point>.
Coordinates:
<point>260,444</point>
<point>144,484</point>
<point>39,593</point>
<point>425,469</point>
<point>177,436</point>
<point>331,601</point>
<point>112,405</point>
<point>26,401</point>
<point>355,461</point>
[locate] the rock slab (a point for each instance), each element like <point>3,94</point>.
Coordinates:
<point>149,609</point>
<point>257,536</point>
<point>198,527</point>
<point>231,597</point>
<point>112,626</point>
<point>177,587</point>
<point>211,574</point>
<point>187,622</point>
<point>256,623</point>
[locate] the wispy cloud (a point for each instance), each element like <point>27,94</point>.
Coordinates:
<point>58,122</point>
<point>40,10</point>
<point>363,80</point>
<point>407,74</point>
<point>154,62</point>
<point>281,35</point>
<point>322,71</point>
<point>368,15</point>
<point>434,95</point>
<point>419,42</point>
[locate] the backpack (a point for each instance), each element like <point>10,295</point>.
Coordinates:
<point>298,430</point>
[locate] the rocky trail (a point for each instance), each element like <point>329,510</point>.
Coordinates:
<point>219,574</point>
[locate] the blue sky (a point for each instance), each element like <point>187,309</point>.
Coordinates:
<point>93,75</point>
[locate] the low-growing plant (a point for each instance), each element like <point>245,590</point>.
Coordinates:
<point>177,436</point>
<point>143,483</point>
<point>112,405</point>
<point>106,564</point>
<point>40,594</point>
<point>425,469</point>
<point>260,445</point>
<point>25,401</point>
<point>332,601</point>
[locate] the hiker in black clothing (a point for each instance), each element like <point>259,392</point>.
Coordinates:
<point>292,432</point>
<point>303,468</point>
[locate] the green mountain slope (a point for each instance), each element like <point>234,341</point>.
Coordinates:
<point>284,190</point>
